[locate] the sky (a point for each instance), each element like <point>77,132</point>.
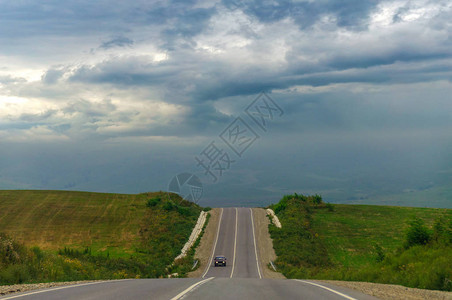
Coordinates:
<point>257,99</point>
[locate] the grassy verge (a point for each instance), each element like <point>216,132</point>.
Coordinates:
<point>95,236</point>
<point>363,243</point>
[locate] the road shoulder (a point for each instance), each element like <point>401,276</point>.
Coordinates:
<point>265,249</point>
<point>204,250</point>
<point>390,291</point>
<point>26,287</point>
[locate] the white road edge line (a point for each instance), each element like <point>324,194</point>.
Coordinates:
<point>255,247</point>
<point>214,246</point>
<point>235,240</point>
<point>60,288</point>
<point>187,290</point>
<point>326,288</point>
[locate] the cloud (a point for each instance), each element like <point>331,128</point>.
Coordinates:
<point>90,109</point>
<point>167,76</point>
<point>51,76</point>
<point>322,55</point>
<point>8,79</point>
<point>127,71</point>
<point>350,13</point>
<point>119,41</point>
<point>37,117</point>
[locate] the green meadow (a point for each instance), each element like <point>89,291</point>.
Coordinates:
<point>60,235</point>
<point>351,232</point>
<point>56,219</point>
<point>363,242</point>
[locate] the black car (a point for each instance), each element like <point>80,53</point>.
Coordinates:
<point>220,260</point>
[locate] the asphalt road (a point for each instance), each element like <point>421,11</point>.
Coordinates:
<point>237,243</point>
<point>196,289</point>
<point>240,279</point>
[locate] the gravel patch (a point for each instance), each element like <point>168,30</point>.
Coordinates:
<point>391,291</point>
<point>264,242</point>
<point>16,288</point>
<point>204,249</point>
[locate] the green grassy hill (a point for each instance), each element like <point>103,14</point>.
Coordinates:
<point>82,235</point>
<point>362,242</point>
<point>58,219</point>
<point>351,232</point>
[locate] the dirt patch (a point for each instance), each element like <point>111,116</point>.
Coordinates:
<point>204,250</point>
<point>264,242</point>
<point>392,292</point>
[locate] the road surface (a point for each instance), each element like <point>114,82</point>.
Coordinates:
<point>236,241</point>
<point>240,279</point>
<point>177,288</point>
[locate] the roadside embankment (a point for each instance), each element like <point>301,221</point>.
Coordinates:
<point>194,235</point>
<point>392,291</point>
<point>264,242</point>
<point>204,250</point>
<point>18,288</point>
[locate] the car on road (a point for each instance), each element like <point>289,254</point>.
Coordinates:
<point>220,260</point>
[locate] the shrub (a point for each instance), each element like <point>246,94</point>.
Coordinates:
<point>317,199</point>
<point>442,232</point>
<point>330,206</point>
<point>168,206</point>
<point>184,211</point>
<point>14,274</point>
<point>281,205</point>
<point>379,252</point>
<point>38,254</point>
<point>11,252</point>
<point>153,202</point>
<point>417,234</point>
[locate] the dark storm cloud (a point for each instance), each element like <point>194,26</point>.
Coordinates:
<point>203,117</point>
<point>362,60</point>
<point>133,90</point>
<point>140,71</point>
<point>216,87</point>
<point>130,71</point>
<point>28,19</point>
<point>349,13</point>
<point>119,41</point>
<point>186,23</point>
<point>28,120</point>
<point>214,79</point>
<point>55,17</point>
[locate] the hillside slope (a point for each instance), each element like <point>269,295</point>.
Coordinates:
<point>56,219</point>
<point>81,235</point>
<point>363,242</point>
